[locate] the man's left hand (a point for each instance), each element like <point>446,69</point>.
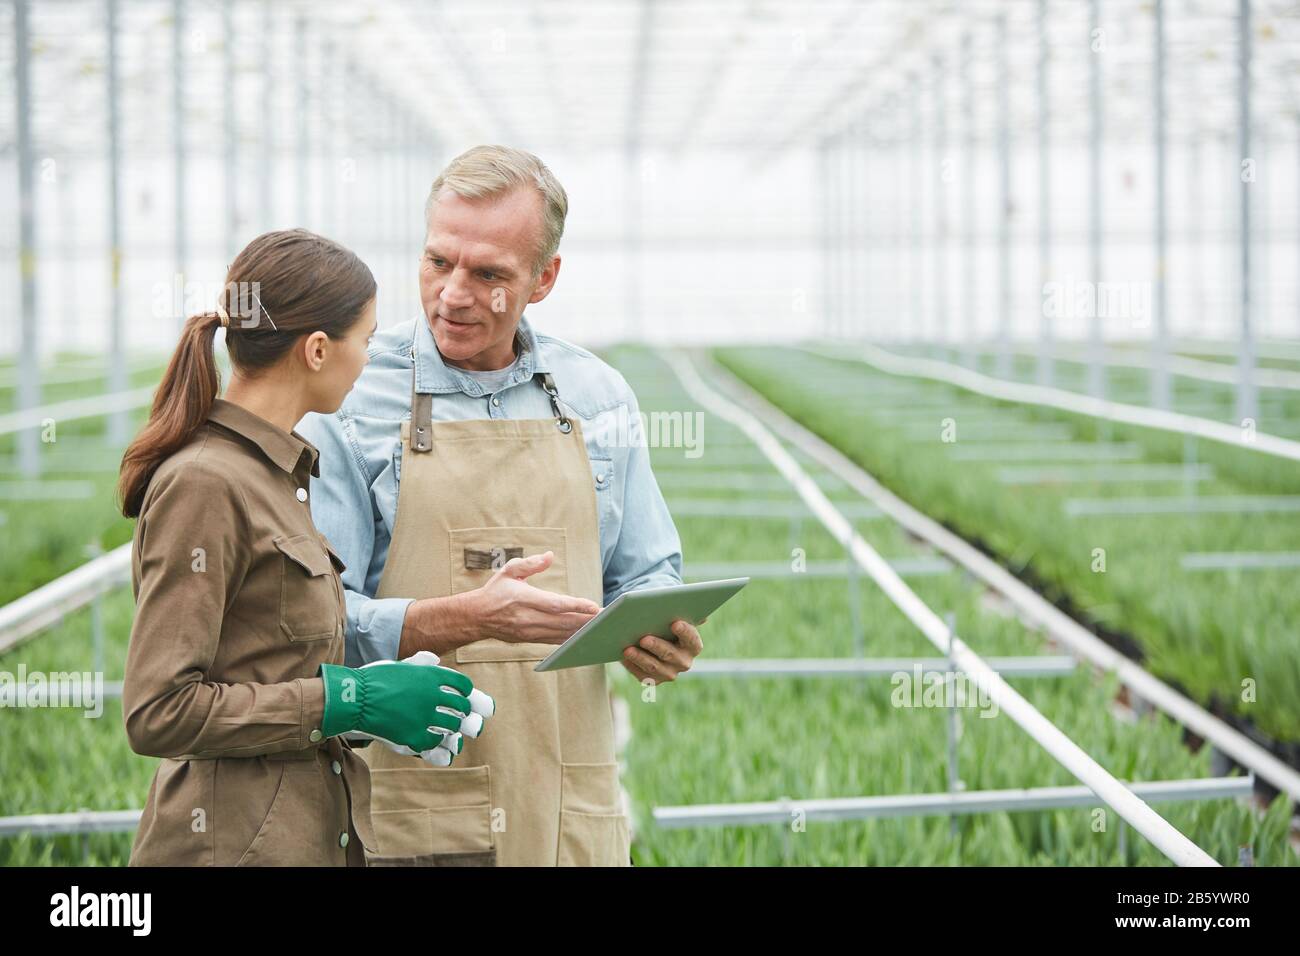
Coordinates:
<point>656,660</point>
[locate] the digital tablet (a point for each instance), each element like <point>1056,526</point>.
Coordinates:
<point>635,614</point>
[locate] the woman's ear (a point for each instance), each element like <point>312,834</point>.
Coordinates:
<point>314,349</point>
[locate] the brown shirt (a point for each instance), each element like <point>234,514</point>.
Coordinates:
<point>238,603</point>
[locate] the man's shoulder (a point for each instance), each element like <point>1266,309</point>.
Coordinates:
<point>390,348</point>
<point>383,390</point>
<point>586,381</point>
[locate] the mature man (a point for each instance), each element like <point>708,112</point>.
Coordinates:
<point>486,505</point>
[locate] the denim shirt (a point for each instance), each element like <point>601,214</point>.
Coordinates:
<point>354,502</point>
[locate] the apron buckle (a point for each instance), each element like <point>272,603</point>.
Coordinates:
<point>548,386</point>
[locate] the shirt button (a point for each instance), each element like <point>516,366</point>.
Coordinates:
<point>600,479</point>
<point>343,839</point>
<point>496,401</point>
<point>314,736</point>
<point>336,767</point>
<point>302,494</point>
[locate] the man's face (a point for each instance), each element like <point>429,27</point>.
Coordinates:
<point>476,274</point>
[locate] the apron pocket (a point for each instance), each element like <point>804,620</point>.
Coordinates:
<point>309,596</point>
<point>477,553</point>
<point>593,828</point>
<point>438,817</point>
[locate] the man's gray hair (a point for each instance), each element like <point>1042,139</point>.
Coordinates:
<point>491,170</point>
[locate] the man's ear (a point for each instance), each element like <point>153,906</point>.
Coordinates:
<point>546,281</point>
<point>314,349</point>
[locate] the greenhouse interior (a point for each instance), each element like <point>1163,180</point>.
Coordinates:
<point>990,494</point>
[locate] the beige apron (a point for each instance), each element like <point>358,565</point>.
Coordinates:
<point>540,787</point>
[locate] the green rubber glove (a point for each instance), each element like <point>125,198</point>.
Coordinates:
<point>404,705</point>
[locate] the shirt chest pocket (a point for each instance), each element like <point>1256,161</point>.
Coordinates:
<point>311,600</point>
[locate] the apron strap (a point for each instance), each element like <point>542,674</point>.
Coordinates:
<point>421,418</point>
<point>422,412</point>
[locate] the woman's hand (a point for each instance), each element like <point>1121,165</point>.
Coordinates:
<point>414,706</point>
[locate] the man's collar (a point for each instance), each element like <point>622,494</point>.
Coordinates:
<point>284,449</point>
<point>432,374</point>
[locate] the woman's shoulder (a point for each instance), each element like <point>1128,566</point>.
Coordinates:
<point>206,471</point>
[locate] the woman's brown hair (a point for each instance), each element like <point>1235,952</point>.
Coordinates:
<point>283,285</point>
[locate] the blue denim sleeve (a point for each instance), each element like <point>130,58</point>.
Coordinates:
<point>648,552</point>
<point>344,511</point>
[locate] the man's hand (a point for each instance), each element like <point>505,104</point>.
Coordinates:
<point>507,607</point>
<point>656,660</point>
<point>510,609</point>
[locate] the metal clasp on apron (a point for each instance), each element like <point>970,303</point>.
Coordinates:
<point>548,386</point>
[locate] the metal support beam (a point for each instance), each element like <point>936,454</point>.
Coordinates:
<point>1046,357</point>
<point>1056,665</point>
<point>943,172</point>
<point>230,240</point>
<point>1160,393</point>
<point>1247,395</point>
<point>1096,366</point>
<point>266,154</point>
<point>1004,205</point>
<point>303,144</point>
<point>915,327</point>
<point>117,366</point>
<point>29,367</point>
<point>179,198</point>
<point>970,311</point>
<point>940,804</point>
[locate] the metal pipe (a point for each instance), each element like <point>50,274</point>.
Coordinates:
<point>943,332</point>
<point>1096,368</point>
<point>304,130</point>
<point>939,804</point>
<point>1160,395</point>
<point>266,157</point>
<point>915,327</point>
<point>117,379</point>
<point>1004,206</point>
<point>29,368</point>
<point>1046,348</point>
<point>228,161</point>
<point>969,334</point>
<point>1247,395</point>
<point>1054,665</point>
<point>178,144</point>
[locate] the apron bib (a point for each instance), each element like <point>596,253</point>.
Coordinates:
<point>540,787</point>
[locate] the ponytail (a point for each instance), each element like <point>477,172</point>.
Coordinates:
<point>180,406</point>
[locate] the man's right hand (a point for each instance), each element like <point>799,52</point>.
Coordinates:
<point>507,608</point>
<point>510,609</point>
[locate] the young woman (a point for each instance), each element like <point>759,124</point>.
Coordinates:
<point>234,672</point>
